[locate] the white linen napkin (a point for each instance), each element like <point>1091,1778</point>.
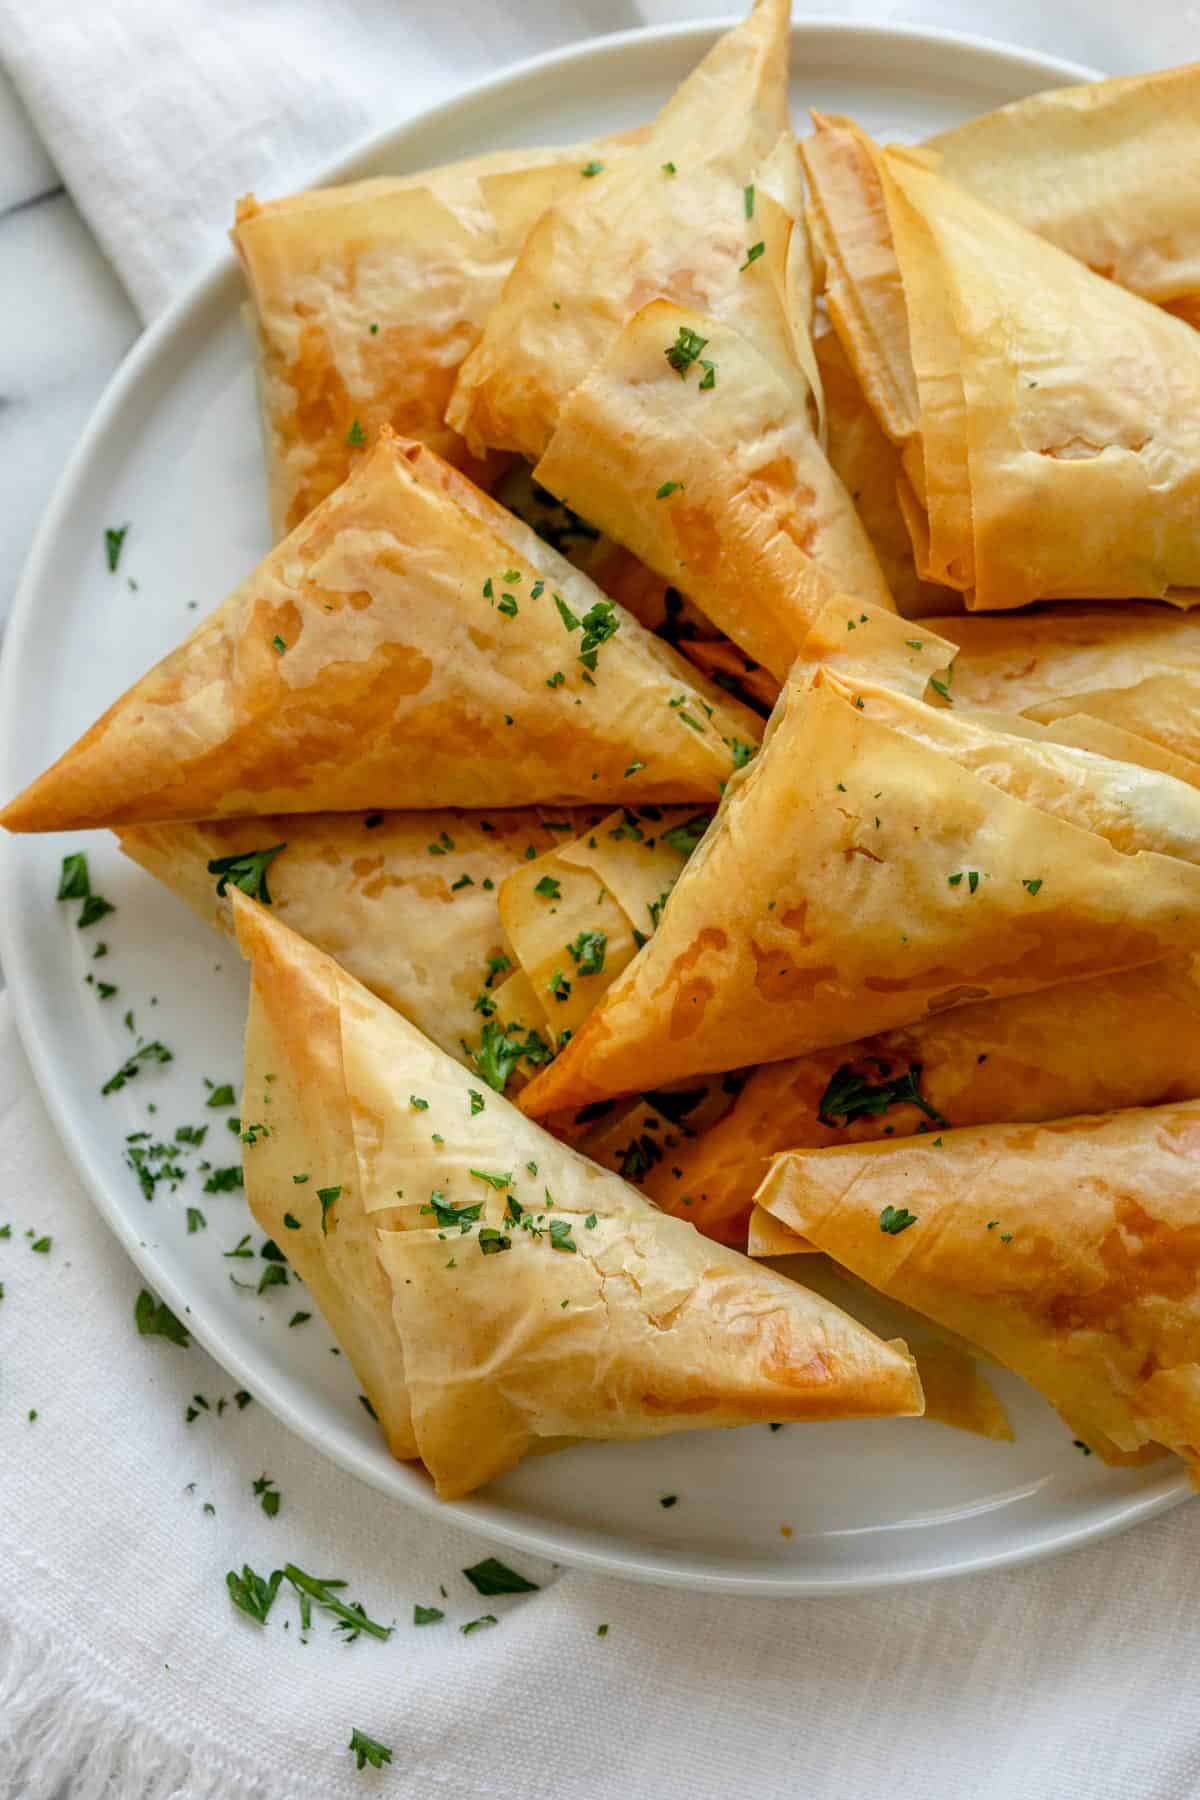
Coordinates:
<point>125,1671</point>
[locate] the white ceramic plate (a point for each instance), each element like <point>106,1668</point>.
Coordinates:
<point>174,451</point>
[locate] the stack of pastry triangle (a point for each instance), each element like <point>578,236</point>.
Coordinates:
<point>1049,420</point>
<point>1129,1039</point>
<point>494,1290</point>
<point>883,860</point>
<point>667,222</point>
<point>412,644</point>
<point>1070,1251</point>
<point>1104,169</point>
<point>367,297</point>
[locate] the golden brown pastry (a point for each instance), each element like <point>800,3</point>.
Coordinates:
<point>366,298</point>
<point>577,914</point>
<point>1047,418</point>
<point>667,222</point>
<point>1129,1039</point>
<point>534,1297</point>
<point>410,645</point>
<point>1104,169</point>
<point>871,869</point>
<point>1130,669</point>
<point>408,902</point>
<point>868,465</point>
<point>1069,1251</point>
<point>692,444</point>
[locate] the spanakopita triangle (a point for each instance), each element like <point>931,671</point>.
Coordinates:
<point>534,1296</point>
<point>669,221</point>
<point>1069,1251</point>
<point>881,861</point>
<point>411,644</point>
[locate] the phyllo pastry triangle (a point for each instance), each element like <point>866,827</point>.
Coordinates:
<point>366,298</point>
<point>1048,419</point>
<point>881,861</point>
<point>1069,1251</point>
<point>413,645</point>
<point>1129,1039</point>
<point>1104,169</point>
<point>666,222</point>
<point>534,1297</point>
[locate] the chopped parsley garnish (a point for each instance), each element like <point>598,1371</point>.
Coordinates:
<point>915,643</point>
<point>560,1236</point>
<point>591,168</point>
<point>953,880</point>
<point>588,951</point>
<point>492,1242</point>
<point>639,1157</point>
<point>447,1215</point>
<point>741,753</point>
<point>367,1750</point>
<point>417,1104</point>
<point>93,908</point>
<point>444,844</point>
<point>667,489</point>
<point>464,881</point>
<point>748,198</point>
<point>685,837</point>
<point>196,1220</point>
<point>133,1065</point>
<point>895,1219</point>
<point>556,680</point>
<point>685,350</point>
<point>253,1594</point>
<point>1032,887</point>
<point>299,1318</point>
<point>493,1180</point>
<point>274,1275</point>
<point>599,624</point>
<point>500,1050</point>
<point>114,543</point>
<point>507,606</point>
<point>222,1096</point>
<point>668,168</point>
<point>352,1620</point>
<point>427,1615</point>
<point>241,1248</point>
<point>752,255</point>
<point>368,1408</point>
<point>478,1624</point>
<point>633,769</point>
<point>565,614</point>
<point>74,883</point>
<point>155,1319</point>
<point>268,1495</point>
<point>492,1577</point>
<point>278,645</point>
<point>356,435</point>
<point>559,986</point>
<point>849,1095</point>
<point>497,965</point>
<point>327,1196</point>
<point>548,888</point>
<point>477,1101</point>
<point>225,1181</point>
<point>666,1501</point>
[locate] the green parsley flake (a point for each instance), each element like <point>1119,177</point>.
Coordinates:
<point>1034,886</point>
<point>591,168</point>
<point>114,543</point>
<point>752,255</point>
<point>327,1196</point>
<point>492,1577</point>
<point>667,489</point>
<point>748,198</point>
<point>427,1615</point>
<point>548,888</point>
<point>155,1319</point>
<point>356,435</point>
<point>588,952</point>
<point>74,883</point>
<point>278,644</point>
<point>685,351</point>
<point>895,1219</point>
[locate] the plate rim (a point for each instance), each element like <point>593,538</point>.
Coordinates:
<point>664,1567</point>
